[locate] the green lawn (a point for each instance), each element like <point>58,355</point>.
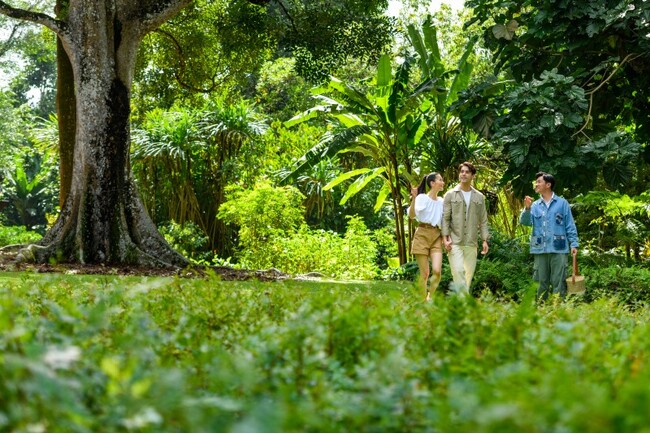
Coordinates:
<point>110,353</point>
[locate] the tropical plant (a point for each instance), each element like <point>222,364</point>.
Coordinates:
<point>191,156</point>
<point>164,150</point>
<point>615,220</point>
<point>28,194</point>
<point>385,123</point>
<point>261,214</point>
<point>371,124</point>
<point>447,142</point>
<point>232,134</point>
<point>318,199</point>
<point>581,73</point>
<point>536,127</point>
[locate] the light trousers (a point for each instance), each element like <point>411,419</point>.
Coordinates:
<point>462,262</point>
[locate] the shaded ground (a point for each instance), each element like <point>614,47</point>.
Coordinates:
<point>8,263</point>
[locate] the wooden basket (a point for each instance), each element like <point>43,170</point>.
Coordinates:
<point>576,283</point>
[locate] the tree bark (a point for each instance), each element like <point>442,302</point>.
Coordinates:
<point>103,220</point>
<point>66,118</point>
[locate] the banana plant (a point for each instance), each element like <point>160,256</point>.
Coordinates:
<point>385,123</point>
<point>446,143</point>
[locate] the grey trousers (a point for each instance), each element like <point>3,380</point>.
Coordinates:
<point>550,272</point>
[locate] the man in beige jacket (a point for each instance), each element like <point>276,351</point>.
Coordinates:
<point>464,215</point>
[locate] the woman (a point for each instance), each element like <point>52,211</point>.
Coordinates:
<point>427,241</point>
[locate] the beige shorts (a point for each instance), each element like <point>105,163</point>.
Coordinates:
<point>427,239</point>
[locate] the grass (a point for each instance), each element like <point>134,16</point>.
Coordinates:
<point>110,353</point>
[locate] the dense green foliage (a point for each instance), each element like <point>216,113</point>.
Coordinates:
<point>567,95</point>
<point>35,81</point>
<point>273,234</point>
<point>130,354</point>
<point>220,46</point>
<point>28,167</point>
<point>398,120</point>
<point>352,255</point>
<point>188,240</point>
<point>610,220</point>
<point>10,235</point>
<point>600,49</point>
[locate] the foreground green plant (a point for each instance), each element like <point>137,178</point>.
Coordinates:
<point>117,354</point>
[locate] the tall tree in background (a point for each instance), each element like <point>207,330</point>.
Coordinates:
<point>220,46</point>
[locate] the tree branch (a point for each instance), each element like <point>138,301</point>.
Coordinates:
<point>178,74</point>
<point>286,13</point>
<point>629,58</point>
<point>8,43</point>
<point>56,26</point>
<point>153,14</point>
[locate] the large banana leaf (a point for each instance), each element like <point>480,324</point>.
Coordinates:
<point>384,71</point>
<point>426,46</point>
<point>356,100</point>
<point>461,80</point>
<point>360,183</point>
<point>344,177</point>
<point>311,113</point>
<point>349,119</point>
<point>382,195</point>
<point>329,145</point>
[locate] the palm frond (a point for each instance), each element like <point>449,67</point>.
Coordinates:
<point>329,145</point>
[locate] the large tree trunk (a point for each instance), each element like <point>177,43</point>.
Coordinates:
<point>103,220</point>
<point>67,120</point>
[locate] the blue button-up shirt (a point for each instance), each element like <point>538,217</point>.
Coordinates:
<point>554,230</point>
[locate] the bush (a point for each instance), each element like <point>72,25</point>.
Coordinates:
<point>263,214</point>
<point>17,235</point>
<point>273,234</point>
<point>349,257</point>
<point>386,245</point>
<point>631,285</point>
<point>506,269</point>
<point>188,240</point>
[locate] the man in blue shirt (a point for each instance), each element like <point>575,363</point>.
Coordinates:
<point>554,233</point>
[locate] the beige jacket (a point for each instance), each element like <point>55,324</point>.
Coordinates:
<point>464,229</point>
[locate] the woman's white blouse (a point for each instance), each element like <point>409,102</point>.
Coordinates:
<point>428,210</point>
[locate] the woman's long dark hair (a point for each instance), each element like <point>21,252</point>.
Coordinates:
<point>422,188</point>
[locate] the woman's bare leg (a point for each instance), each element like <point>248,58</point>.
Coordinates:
<point>423,266</point>
<point>436,270</point>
